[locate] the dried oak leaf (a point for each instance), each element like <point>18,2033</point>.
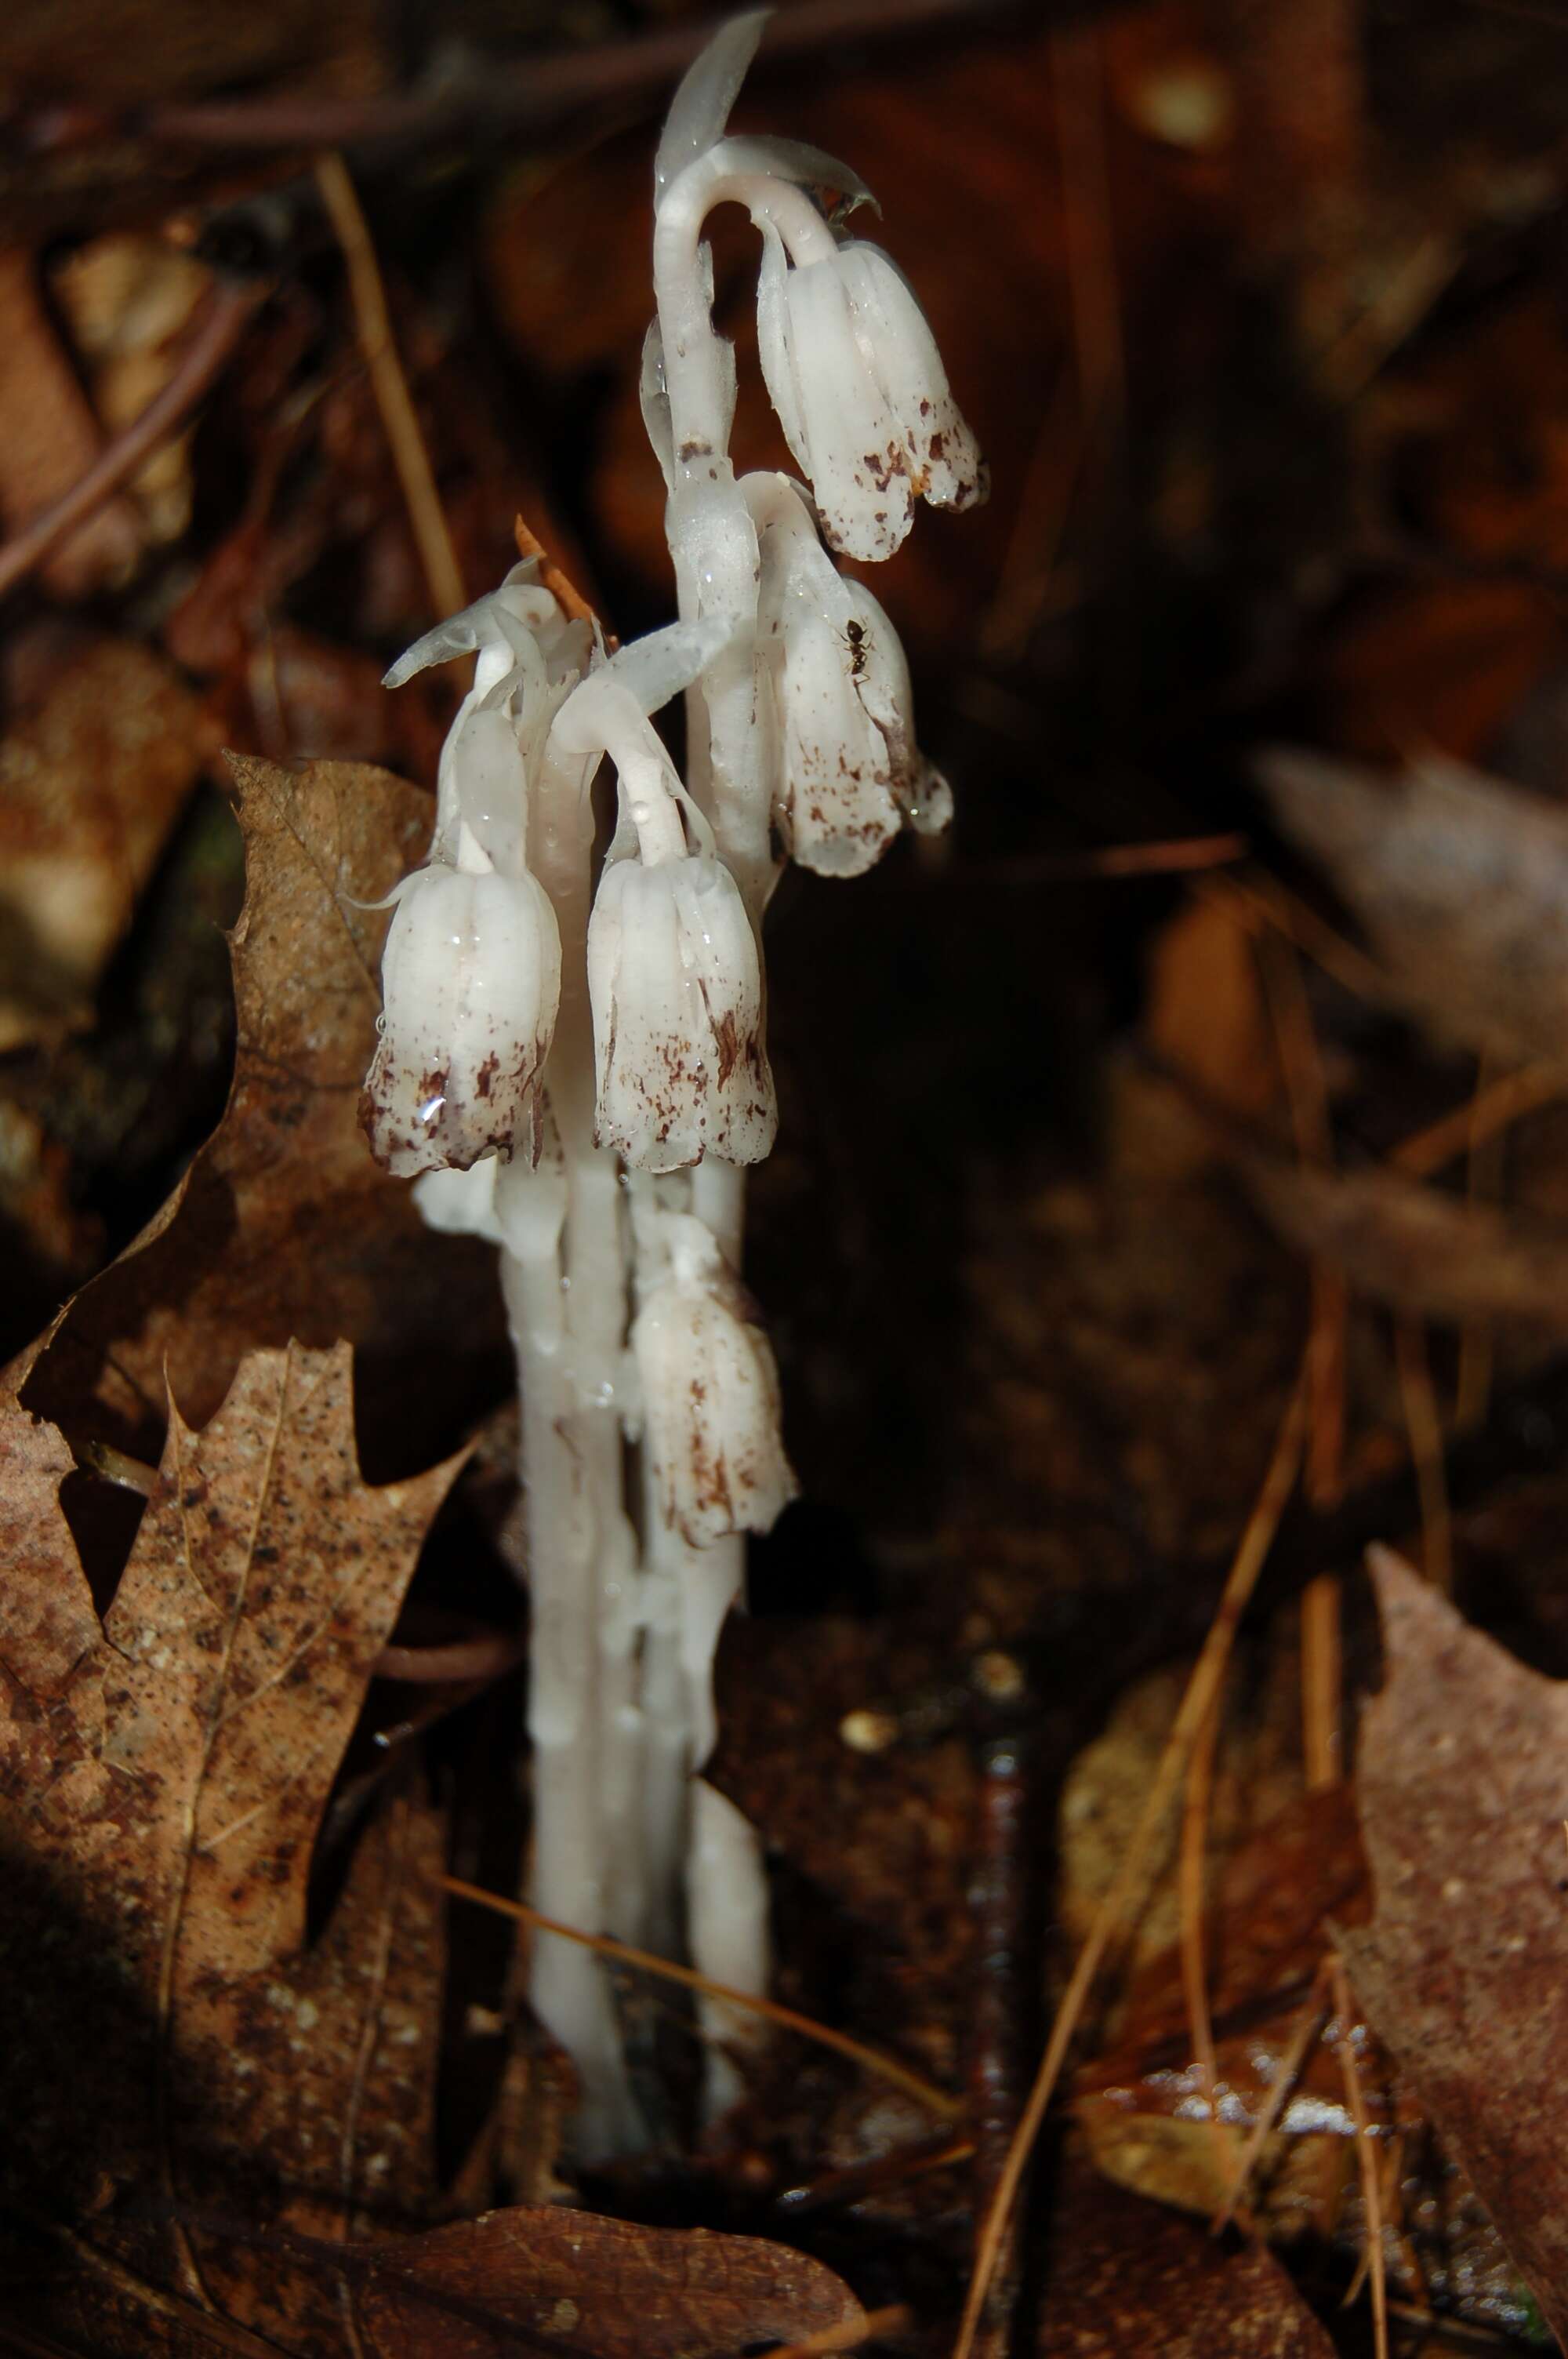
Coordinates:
<point>540,2279</point>
<point>1462,1785</point>
<point>1412,1246</point>
<point>174,2051</point>
<point>283,1228</point>
<point>1127,2276</point>
<point>1459,881</point>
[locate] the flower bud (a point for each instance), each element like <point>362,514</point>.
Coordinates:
<point>677,1017</point>
<point>854,374</point>
<point>470,980</point>
<point>710,1395</point>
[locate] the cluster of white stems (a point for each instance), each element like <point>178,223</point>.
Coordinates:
<point>576,1064</point>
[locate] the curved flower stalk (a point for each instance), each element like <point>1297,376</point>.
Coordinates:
<point>852,369</point>
<point>832,678</point>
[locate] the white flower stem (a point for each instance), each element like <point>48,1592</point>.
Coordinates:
<point>713,543</point>
<point>568,1317</point>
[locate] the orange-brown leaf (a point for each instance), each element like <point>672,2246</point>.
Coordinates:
<point>547,2279</point>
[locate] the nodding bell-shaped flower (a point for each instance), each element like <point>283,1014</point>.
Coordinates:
<point>471,982</point>
<point>832,674</point>
<point>673,978</point>
<point>710,1395</point>
<point>854,374</point>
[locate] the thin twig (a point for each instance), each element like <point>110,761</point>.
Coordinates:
<point>443,577</point>
<point>1263,897</point>
<point>1173,856</point>
<point>871,2059</point>
<point>1480,1118</point>
<point>210,344</point>
<point>857,2179</point>
<point>1424,1426</point>
<point>1483,1183</point>
<point>1192,1861</point>
<point>892,2319</point>
<point>1323,1681</point>
<point>534,90</point>
<point>1201,1690</point>
<point>461,1660</point>
<point>559,584</point>
<point>1306,1086</point>
<point>1371,2196</point>
<point>1287,2073</point>
<point>103,1459</point>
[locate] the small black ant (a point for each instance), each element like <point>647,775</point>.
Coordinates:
<point>855,633</point>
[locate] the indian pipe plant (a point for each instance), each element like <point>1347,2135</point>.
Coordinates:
<point>574,1063</point>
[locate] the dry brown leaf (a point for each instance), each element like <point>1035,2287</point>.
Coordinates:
<point>172,2050</point>
<point>1206,1016</point>
<point>1463,1784</point>
<point>1129,2277</point>
<point>545,2280</point>
<point>285,1228</point>
<point>1460,882</point>
<point>1413,1248</point>
<point>50,437</point>
<point>90,786</point>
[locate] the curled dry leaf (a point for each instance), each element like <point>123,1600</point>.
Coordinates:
<point>89,785</point>
<point>1462,1785</point>
<point>171,2050</point>
<point>284,1227</point>
<point>1459,881</point>
<point>1413,1248</point>
<point>542,2280</point>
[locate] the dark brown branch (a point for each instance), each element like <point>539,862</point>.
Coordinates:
<point>536,90</point>
<point>210,346</point>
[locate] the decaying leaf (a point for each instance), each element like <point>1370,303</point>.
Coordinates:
<point>1129,2276</point>
<point>1414,1247</point>
<point>89,785</point>
<point>49,437</point>
<point>171,2041</point>
<point>1144,2104</point>
<point>1463,1786</point>
<point>547,2281</point>
<point>284,1227</point>
<point>1460,882</point>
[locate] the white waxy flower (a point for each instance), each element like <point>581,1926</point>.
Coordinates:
<point>832,672</point>
<point>854,374</point>
<point>673,977</point>
<point>711,1394</point>
<point>676,987</point>
<point>470,981</point>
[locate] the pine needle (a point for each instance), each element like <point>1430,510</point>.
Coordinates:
<point>869,2059</point>
<point>1202,1688</point>
<point>443,578</point>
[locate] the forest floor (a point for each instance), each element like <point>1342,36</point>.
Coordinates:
<point>1152,1707</point>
